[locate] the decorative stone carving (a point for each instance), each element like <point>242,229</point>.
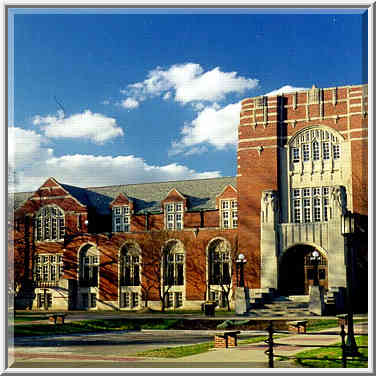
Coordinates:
<point>269,206</point>
<point>339,199</point>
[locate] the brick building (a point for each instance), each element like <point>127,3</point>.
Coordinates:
<point>302,163</point>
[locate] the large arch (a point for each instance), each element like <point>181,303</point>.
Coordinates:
<point>297,269</point>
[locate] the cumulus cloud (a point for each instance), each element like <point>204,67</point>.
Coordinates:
<point>189,83</point>
<point>35,163</point>
<point>25,146</point>
<point>214,125</point>
<point>87,125</point>
<point>130,103</point>
<point>286,89</point>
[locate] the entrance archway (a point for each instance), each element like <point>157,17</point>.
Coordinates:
<point>297,271</point>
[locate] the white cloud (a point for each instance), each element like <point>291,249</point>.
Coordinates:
<point>92,126</point>
<point>24,147</point>
<point>106,101</point>
<point>286,89</point>
<point>213,125</point>
<point>130,103</point>
<point>36,163</point>
<point>189,83</point>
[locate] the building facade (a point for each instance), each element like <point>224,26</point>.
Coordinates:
<point>302,164</point>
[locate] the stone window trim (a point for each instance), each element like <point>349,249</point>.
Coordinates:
<point>228,211</point>
<point>121,218</point>
<point>174,215</point>
<point>49,224</point>
<point>48,267</point>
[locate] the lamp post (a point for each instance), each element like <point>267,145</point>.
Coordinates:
<point>315,258</point>
<point>348,229</point>
<point>241,260</point>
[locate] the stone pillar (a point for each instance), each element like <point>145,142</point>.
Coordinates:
<point>269,220</point>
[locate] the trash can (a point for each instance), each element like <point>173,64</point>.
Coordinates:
<point>209,308</point>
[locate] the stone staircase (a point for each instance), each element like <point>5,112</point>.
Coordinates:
<point>280,306</point>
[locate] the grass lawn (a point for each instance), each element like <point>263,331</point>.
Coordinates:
<point>322,357</point>
<point>322,324</point>
<point>181,351</point>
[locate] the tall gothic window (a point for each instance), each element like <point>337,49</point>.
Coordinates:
<point>49,224</point>
<point>173,264</point>
<point>219,263</point>
<point>89,266</point>
<point>129,266</point>
<point>315,144</point>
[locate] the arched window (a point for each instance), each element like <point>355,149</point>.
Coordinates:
<point>315,144</point>
<point>173,264</point>
<point>129,265</point>
<point>219,263</point>
<point>89,266</point>
<point>49,224</point>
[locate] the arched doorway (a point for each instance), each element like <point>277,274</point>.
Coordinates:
<point>297,270</point>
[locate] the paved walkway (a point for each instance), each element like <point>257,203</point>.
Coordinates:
<point>243,356</point>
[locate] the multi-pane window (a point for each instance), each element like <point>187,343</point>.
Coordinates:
<point>174,299</point>
<point>48,267</point>
<point>218,297</point>
<point>130,267</point>
<point>325,150</point>
<point>336,151</point>
<point>310,204</point>
<point>219,264</point>
<point>49,224</point>
<point>89,300</point>
<point>174,216</point>
<point>315,145</point>
<point>121,217</point>
<point>306,152</point>
<point>174,269</point>
<point>315,151</point>
<point>89,267</point>
<point>229,213</point>
<point>130,300</point>
<point>44,300</point>
<point>295,154</point>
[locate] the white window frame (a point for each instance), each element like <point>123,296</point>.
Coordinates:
<point>174,216</point>
<point>228,213</point>
<point>121,218</point>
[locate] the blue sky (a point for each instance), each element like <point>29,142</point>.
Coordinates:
<point>109,97</point>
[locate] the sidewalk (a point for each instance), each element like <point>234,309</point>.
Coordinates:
<point>243,356</point>
<point>254,354</point>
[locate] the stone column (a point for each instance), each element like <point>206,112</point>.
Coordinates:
<point>270,209</point>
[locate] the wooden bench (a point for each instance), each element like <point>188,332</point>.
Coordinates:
<point>297,326</point>
<point>226,339</point>
<point>56,318</point>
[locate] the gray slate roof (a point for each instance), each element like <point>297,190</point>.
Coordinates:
<point>147,197</point>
